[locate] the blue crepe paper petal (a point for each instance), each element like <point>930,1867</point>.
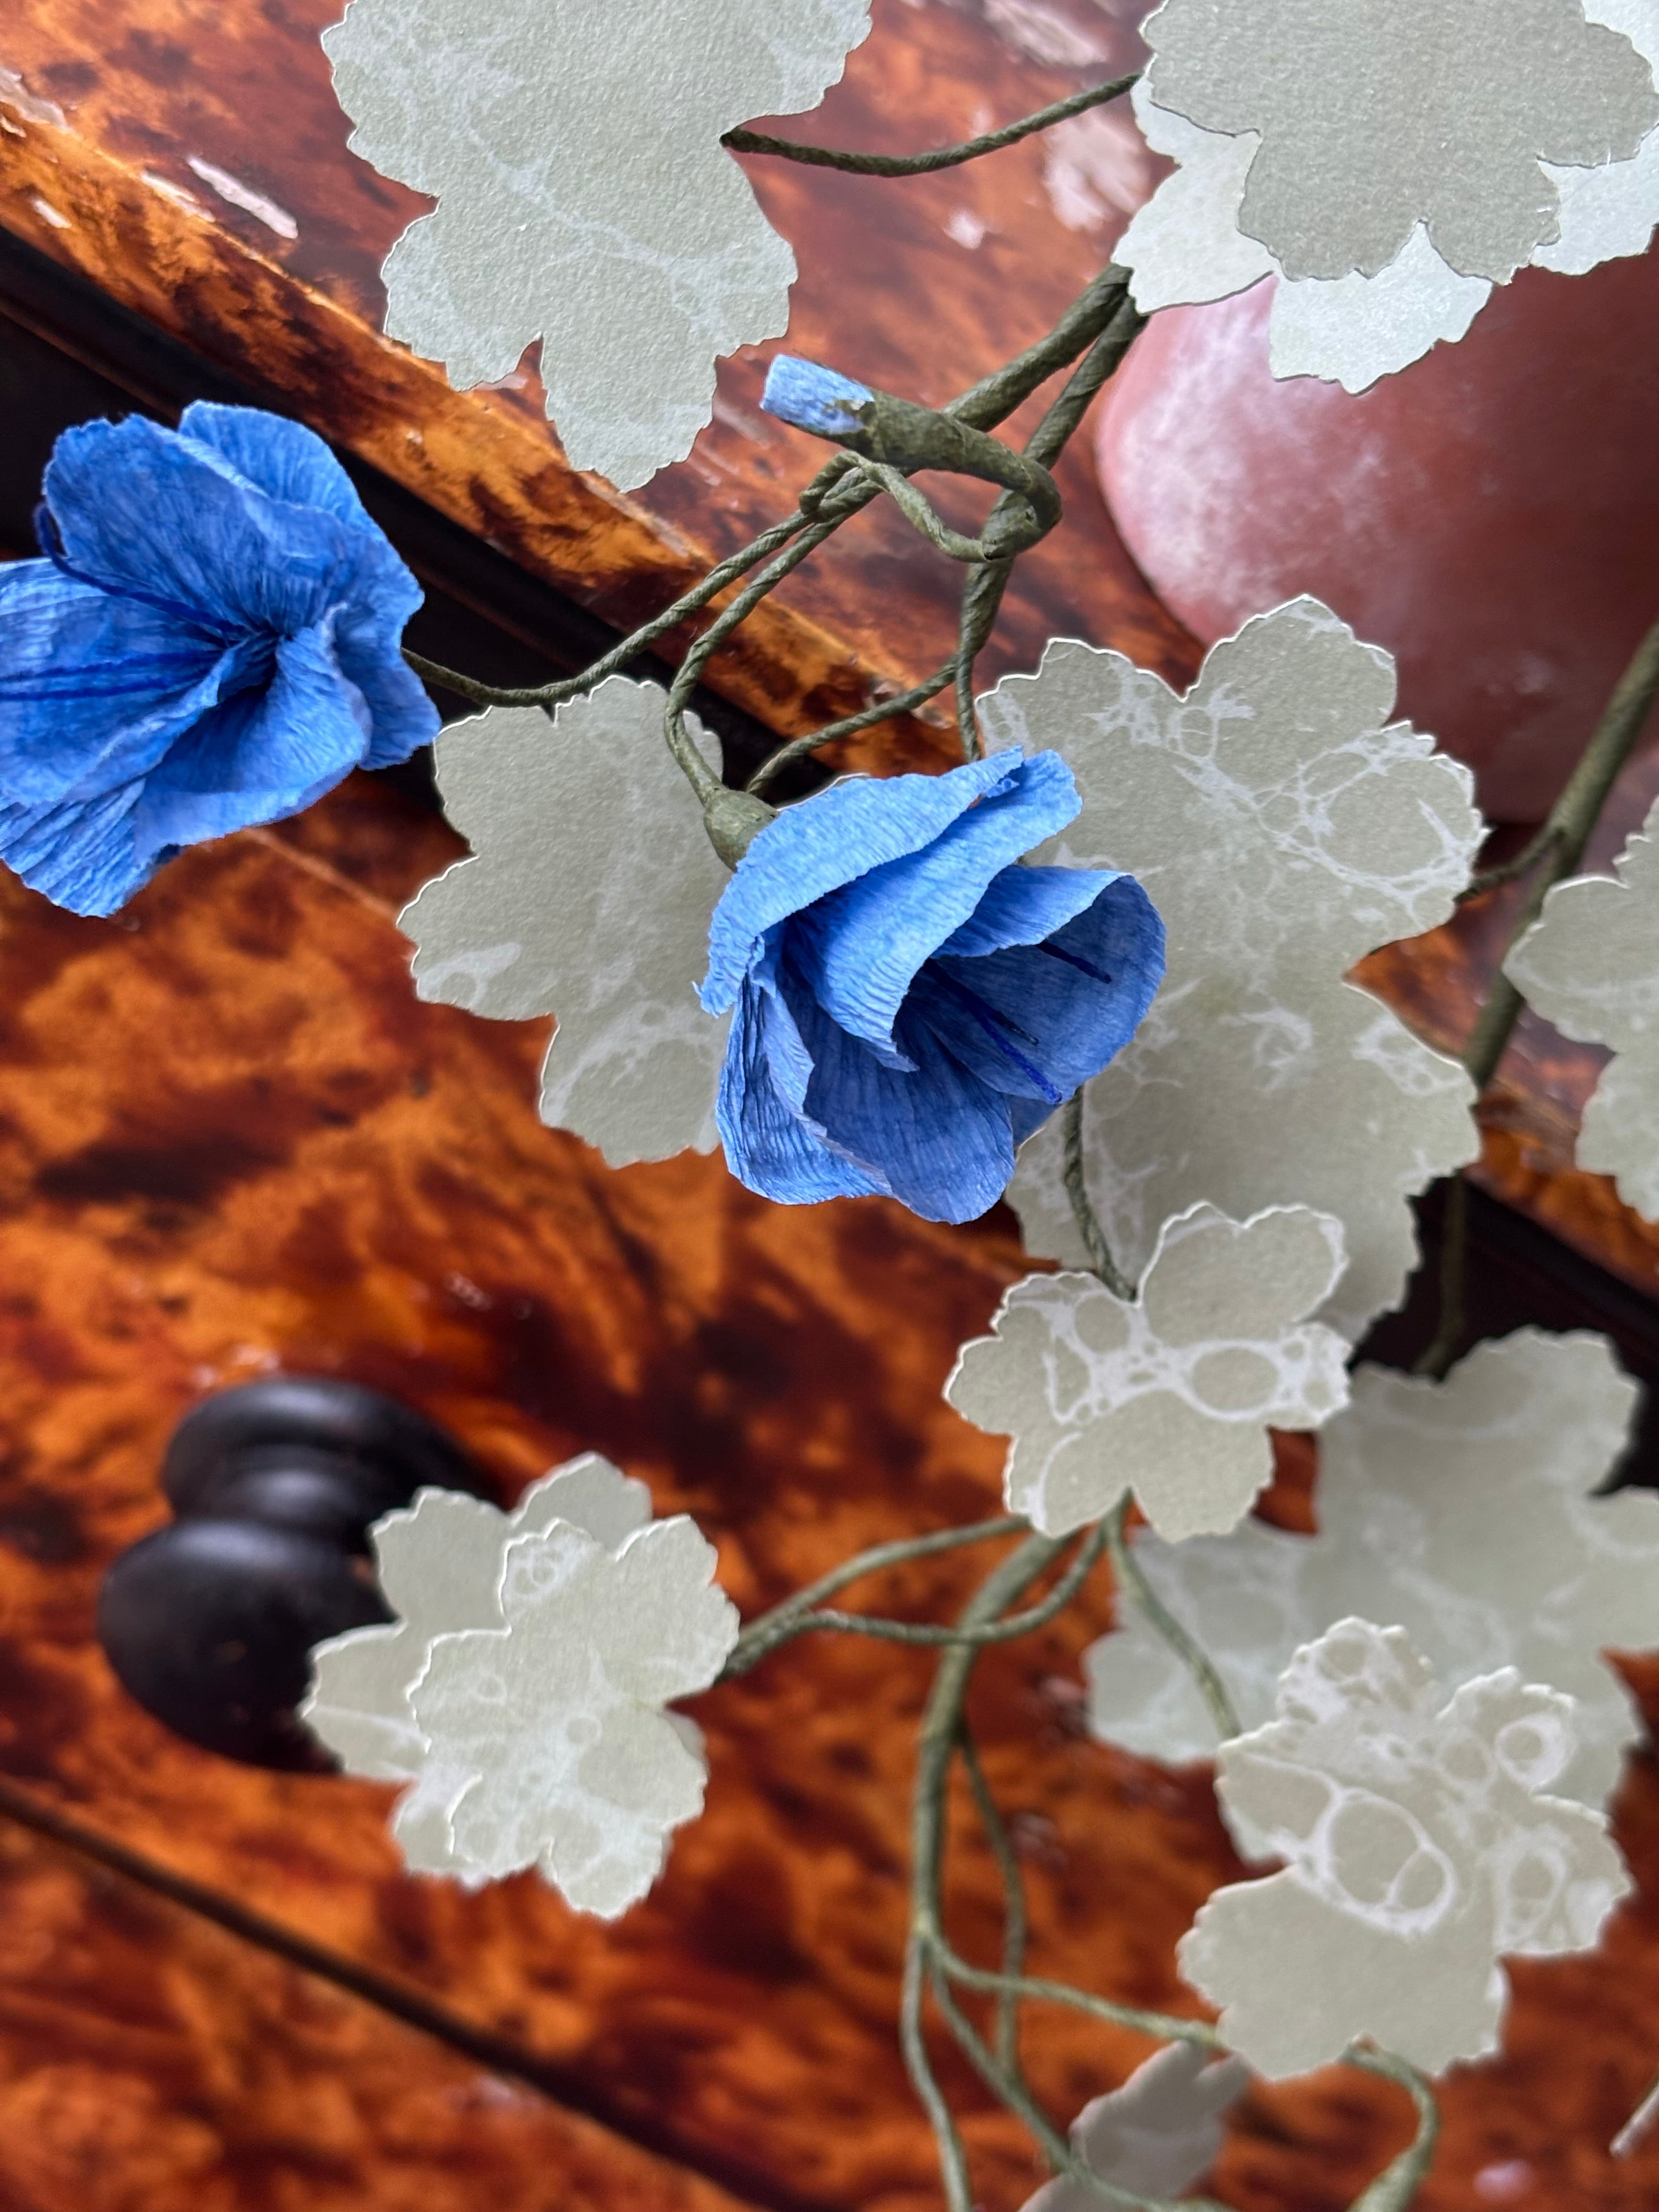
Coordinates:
<point>214,640</point>
<point>139,507</point>
<point>939,1137</point>
<point>79,853</point>
<point>94,688</point>
<point>913,1001</point>
<point>821,843</point>
<point>1062,1009</point>
<point>277,457</point>
<point>263,756</point>
<point>1023,905</point>
<point>771,1144</point>
<point>870,937</point>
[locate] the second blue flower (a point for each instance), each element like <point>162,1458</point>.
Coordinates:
<point>912,1002</point>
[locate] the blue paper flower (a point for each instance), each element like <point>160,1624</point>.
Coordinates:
<point>211,641</point>
<point>911,1003</point>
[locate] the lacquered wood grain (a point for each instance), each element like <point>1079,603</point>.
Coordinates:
<point>930,282</point>
<point>229,1139</point>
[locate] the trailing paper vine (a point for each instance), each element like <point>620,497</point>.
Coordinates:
<point>210,639</point>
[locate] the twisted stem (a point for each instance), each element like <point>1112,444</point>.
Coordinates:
<point>804,1623</point>
<point>933,1964</point>
<point>983,405</point>
<point>760,1637</point>
<point>1560,847</point>
<point>1132,1580</point>
<point>940,1731</point>
<point>1015,1918</point>
<point>1395,2188</point>
<point>940,157</point>
<point>1083,1212</point>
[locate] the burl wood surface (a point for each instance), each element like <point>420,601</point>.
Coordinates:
<point>123,123</point>
<point>115,103</point>
<point>230,1139</point>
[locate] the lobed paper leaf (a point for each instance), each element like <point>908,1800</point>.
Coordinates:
<point>1284,828</point>
<point>1590,964</point>
<point>1156,2135</point>
<point>1421,1849</point>
<point>450,1564</point>
<point>584,197</point>
<point>588,896</point>
<point>1464,1511</point>
<point>555,1718</point>
<point>1172,1395</point>
<point>1379,252</point>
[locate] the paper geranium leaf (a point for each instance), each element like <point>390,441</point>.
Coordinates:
<point>1284,828</point>
<point>440,1563</point>
<point>555,1719</point>
<point>584,197</point>
<point>1609,212</point>
<point>1171,1396</point>
<point>1541,114</point>
<point>1464,1511</point>
<point>1156,2135</point>
<point>1421,1849</point>
<point>1590,964</point>
<point>588,896</point>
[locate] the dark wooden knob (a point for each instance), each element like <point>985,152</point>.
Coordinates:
<point>209,1623</point>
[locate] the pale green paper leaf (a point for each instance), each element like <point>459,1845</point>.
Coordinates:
<point>440,1563</point>
<point>1284,828</point>
<point>1545,150</point>
<point>584,197</point>
<point>588,896</point>
<point>1172,1395</point>
<point>556,1719</point>
<point>1464,1511</point>
<point>1421,1849</point>
<point>1156,2135</point>
<point>1590,964</point>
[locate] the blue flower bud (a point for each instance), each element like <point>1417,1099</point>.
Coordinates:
<point>821,400</point>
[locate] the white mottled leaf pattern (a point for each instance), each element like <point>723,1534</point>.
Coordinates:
<point>442,1563</point>
<point>588,896</point>
<point>584,197</point>
<point>1378,252</point>
<point>556,1718</point>
<point>1172,1395</point>
<point>1284,828</point>
<point>1465,1512</point>
<point>1421,1848</point>
<point>1156,2135</point>
<point>1590,964</point>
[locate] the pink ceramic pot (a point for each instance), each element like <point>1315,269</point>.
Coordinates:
<point>1490,515</point>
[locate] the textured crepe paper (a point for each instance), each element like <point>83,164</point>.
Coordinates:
<point>1170,1396</point>
<point>1466,1511</point>
<point>440,1563</point>
<point>584,197</point>
<point>556,1717</point>
<point>1284,828</point>
<point>1590,964</point>
<point>588,896</point>
<point>1201,236</point>
<point>1156,2135</point>
<point>1421,1847</point>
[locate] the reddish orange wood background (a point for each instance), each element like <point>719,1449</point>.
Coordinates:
<point>230,1139</point>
